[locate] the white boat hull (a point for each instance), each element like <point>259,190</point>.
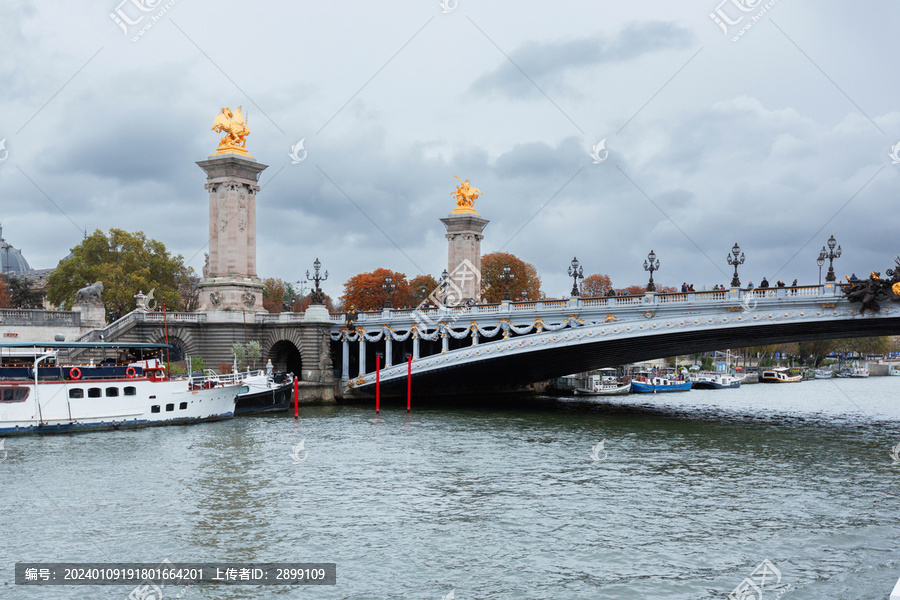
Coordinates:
<point>617,390</point>
<point>89,405</point>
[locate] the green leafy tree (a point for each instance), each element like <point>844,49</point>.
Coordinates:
<point>254,352</point>
<point>22,293</point>
<point>276,293</point>
<point>126,263</point>
<point>816,351</point>
<point>525,283</point>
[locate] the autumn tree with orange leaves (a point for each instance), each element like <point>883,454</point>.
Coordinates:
<point>595,286</point>
<point>364,291</point>
<point>525,278</point>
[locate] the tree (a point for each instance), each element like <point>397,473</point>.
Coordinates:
<point>4,295</point>
<point>595,286</point>
<point>525,278</point>
<point>125,263</point>
<point>415,288</point>
<point>640,290</point>
<point>276,293</point>
<point>189,290</point>
<point>22,293</point>
<point>864,346</point>
<point>816,350</point>
<point>365,292</point>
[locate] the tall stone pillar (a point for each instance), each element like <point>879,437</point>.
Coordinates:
<point>229,278</point>
<point>464,235</point>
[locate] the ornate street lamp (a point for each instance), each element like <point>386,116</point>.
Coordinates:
<point>317,296</point>
<point>442,286</point>
<point>388,287</point>
<point>733,259</point>
<point>821,261</point>
<point>575,271</point>
<point>506,276</point>
<point>831,255</point>
<point>651,266</point>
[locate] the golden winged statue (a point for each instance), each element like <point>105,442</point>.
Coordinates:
<point>465,196</point>
<point>236,131</point>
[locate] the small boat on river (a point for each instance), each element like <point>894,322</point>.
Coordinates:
<point>604,383</point>
<point>130,388</point>
<point>778,375</point>
<point>714,381</point>
<point>644,384</point>
<point>824,374</point>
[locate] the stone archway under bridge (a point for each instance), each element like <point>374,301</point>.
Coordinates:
<point>302,351</point>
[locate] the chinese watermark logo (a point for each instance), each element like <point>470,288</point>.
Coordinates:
<point>726,19</point>
<point>450,596</point>
<point>765,576</point>
<point>895,153</point>
<point>748,303</point>
<point>6,152</point>
<point>297,450</point>
<point>895,453</point>
<point>448,6</point>
<point>296,158</point>
<point>446,303</point>
<point>147,590</point>
<point>133,15</point>
<point>597,450</point>
<point>597,149</point>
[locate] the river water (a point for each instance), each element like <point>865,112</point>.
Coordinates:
<point>690,493</point>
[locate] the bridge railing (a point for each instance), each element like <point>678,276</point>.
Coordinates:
<point>433,315</point>
<point>40,317</point>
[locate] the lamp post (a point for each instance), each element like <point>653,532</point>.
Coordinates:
<point>575,271</point>
<point>442,286</point>
<point>821,261</point>
<point>651,266</point>
<point>734,259</point>
<point>317,296</point>
<point>388,287</point>
<point>506,276</point>
<point>831,255</point>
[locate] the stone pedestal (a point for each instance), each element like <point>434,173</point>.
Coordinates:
<point>317,313</point>
<point>464,235</point>
<point>229,278</point>
<point>92,315</point>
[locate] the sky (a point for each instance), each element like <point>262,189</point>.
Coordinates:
<point>772,129</point>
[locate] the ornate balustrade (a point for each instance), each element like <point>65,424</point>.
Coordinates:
<point>40,317</point>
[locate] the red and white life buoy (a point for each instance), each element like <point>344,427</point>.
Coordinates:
<point>75,373</point>
<point>130,372</point>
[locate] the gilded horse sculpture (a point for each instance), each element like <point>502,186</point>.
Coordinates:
<point>465,196</point>
<point>235,127</point>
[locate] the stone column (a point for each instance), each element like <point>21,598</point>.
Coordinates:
<point>229,280</point>
<point>415,347</point>
<point>345,359</point>
<point>362,355</point>
<point>464,235</point>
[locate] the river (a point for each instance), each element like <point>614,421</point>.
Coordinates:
<point>687,497</point>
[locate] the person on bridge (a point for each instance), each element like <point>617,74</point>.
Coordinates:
<point>853,277</point>
<point>764,283</point>
<point>684,288</point>
<point>750,287</point>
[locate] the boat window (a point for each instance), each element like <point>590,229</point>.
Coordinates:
<point>170,407</point>
<point>94,392</point>
<point>13,394</point>
<point>130,391</point>
<point>154,408</point>
<point>111,392</point>
<point>182,406</point>
<point>76,393</point>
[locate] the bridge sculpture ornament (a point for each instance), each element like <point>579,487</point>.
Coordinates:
<point>234,125</point>
<point>90,295</point>
<point>465,196</point>
<point>873,290</point>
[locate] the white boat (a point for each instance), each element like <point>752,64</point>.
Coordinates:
<point>855,372</point>
<point>895,372</point>
<point>603,384</point>
<point>778,375</point>
<point>260,392</point>
<point>714,381</point>
<point>134,392</point>
<point>824,374</point>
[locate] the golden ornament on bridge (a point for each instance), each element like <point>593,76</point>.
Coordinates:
<point>235,127</point>
<point>465,197</point>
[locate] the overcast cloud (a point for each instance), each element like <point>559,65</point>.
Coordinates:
<point>775,141</point>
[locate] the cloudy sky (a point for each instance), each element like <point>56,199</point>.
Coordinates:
<point>774,139</point>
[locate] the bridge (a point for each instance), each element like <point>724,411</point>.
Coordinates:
<point>499,345</point>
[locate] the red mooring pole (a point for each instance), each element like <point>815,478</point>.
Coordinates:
<point>377,383</point>
<point>409,384</point>
<point>296,396</point>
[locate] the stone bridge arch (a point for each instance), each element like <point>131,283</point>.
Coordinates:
<point>305,348</point>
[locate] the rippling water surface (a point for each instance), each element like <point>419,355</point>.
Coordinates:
<point>692,493</point>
